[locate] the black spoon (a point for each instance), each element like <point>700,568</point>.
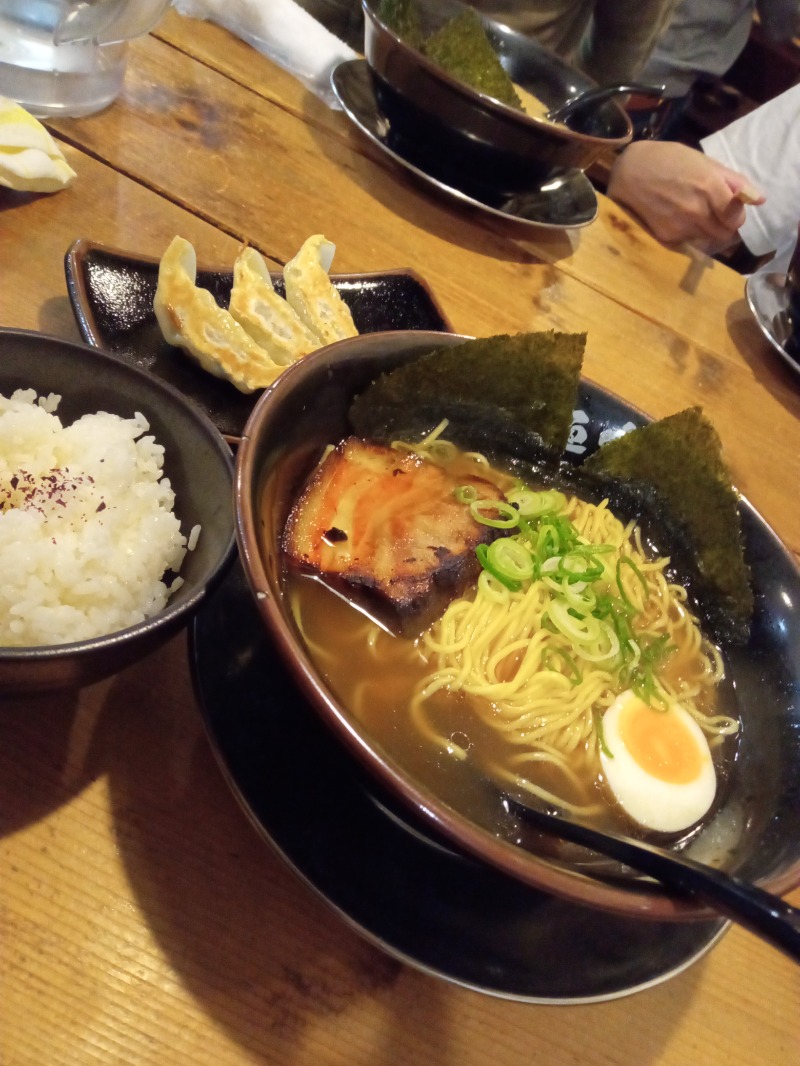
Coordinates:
<point>589,99</point>
<point>766,915</point>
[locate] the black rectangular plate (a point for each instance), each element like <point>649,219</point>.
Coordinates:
<point>112,291</point>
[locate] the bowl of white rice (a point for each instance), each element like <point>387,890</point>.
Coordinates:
<point>116,514</point>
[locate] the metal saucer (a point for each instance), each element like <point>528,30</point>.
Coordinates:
<point>769,302</point>
<point>567,201</point>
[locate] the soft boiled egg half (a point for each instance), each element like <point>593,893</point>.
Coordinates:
<point>657,764</point>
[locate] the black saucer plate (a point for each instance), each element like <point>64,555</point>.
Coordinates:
<point>566,202</point>
<point>111,292</point>
<point>416,898</point>
<point>768,300</point>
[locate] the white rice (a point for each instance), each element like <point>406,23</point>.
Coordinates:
<point>87,529</point>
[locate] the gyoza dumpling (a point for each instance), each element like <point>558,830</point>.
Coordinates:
<point>311,293</point>
<point>265,315</point>
<point>190,318</point>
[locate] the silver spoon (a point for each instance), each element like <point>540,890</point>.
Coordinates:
<point>589,99</point>
<point>766,915</point>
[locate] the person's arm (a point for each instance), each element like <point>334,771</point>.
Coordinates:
<point>681,194</point>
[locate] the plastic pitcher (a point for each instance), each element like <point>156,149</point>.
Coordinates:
<point>68,57</point>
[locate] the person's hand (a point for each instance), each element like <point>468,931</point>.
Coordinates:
<point>681,194</point>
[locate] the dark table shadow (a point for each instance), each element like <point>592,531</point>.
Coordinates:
<point>259,950</point>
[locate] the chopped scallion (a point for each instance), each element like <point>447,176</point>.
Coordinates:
<point>535,504</point>
<point>465,493</point>
<point>625,560</point>
<point>510,557</point>
<point>495,513</point>
<point>482,552</point>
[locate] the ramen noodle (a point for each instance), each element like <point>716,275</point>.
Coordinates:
<point>515,679</point>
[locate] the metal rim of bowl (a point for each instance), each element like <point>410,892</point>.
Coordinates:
<point>503,110</point>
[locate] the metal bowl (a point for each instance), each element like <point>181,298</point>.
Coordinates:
<point>198,463</point>
<point>470,139</point>
<point>755,833</point>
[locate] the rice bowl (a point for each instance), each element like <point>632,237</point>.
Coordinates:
<point>187,484</point>
<point>88,531</point>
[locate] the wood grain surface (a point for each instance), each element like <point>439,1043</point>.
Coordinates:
<point>143,921</point>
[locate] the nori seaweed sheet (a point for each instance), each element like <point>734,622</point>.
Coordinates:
<point>510,392</point>
<point>402,16</point>
<point>462,48</point>
<point>675,468</point>
<point>512,397</point>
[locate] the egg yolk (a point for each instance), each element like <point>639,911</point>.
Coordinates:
<point>660,743</point>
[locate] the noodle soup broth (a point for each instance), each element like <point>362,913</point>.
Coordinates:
<point>494,700</point>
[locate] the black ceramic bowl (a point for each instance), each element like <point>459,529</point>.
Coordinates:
<point>198,463</point>
<point>756,831</point>
<point>470,140</point>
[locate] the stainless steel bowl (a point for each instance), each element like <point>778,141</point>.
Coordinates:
<point>470,139</point>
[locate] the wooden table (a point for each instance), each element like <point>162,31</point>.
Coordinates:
<point>142,920</point>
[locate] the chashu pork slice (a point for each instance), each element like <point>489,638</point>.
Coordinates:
<point>388,524</point>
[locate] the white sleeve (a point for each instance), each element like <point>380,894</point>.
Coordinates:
<point>765,145</point>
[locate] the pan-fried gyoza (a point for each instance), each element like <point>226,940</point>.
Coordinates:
<point>264,314</point>
<point>191,319</point>
<point>252,341</point>
<point>311,293</point>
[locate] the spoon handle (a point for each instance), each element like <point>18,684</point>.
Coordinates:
<point>762,913</point>
<point>593,97</point>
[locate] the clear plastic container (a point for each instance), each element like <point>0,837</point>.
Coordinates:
<point>68,57</point>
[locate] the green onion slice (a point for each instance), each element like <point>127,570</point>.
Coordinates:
<point>626,561</point>
<point>601,737</point>
<point>465,493</point>
<point>573,673</point>
<point>535,504</point>
<point>495,513</point>
<point>482,552</point>
<point>575,566</point>
<point>510,558</point>
<point>578,629</point>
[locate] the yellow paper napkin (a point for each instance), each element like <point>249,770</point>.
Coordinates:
<point>30,160</point>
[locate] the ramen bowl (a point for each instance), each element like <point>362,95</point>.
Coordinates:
<point>755,830</point>
<point>467,138</point>
<point>197,462</point>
